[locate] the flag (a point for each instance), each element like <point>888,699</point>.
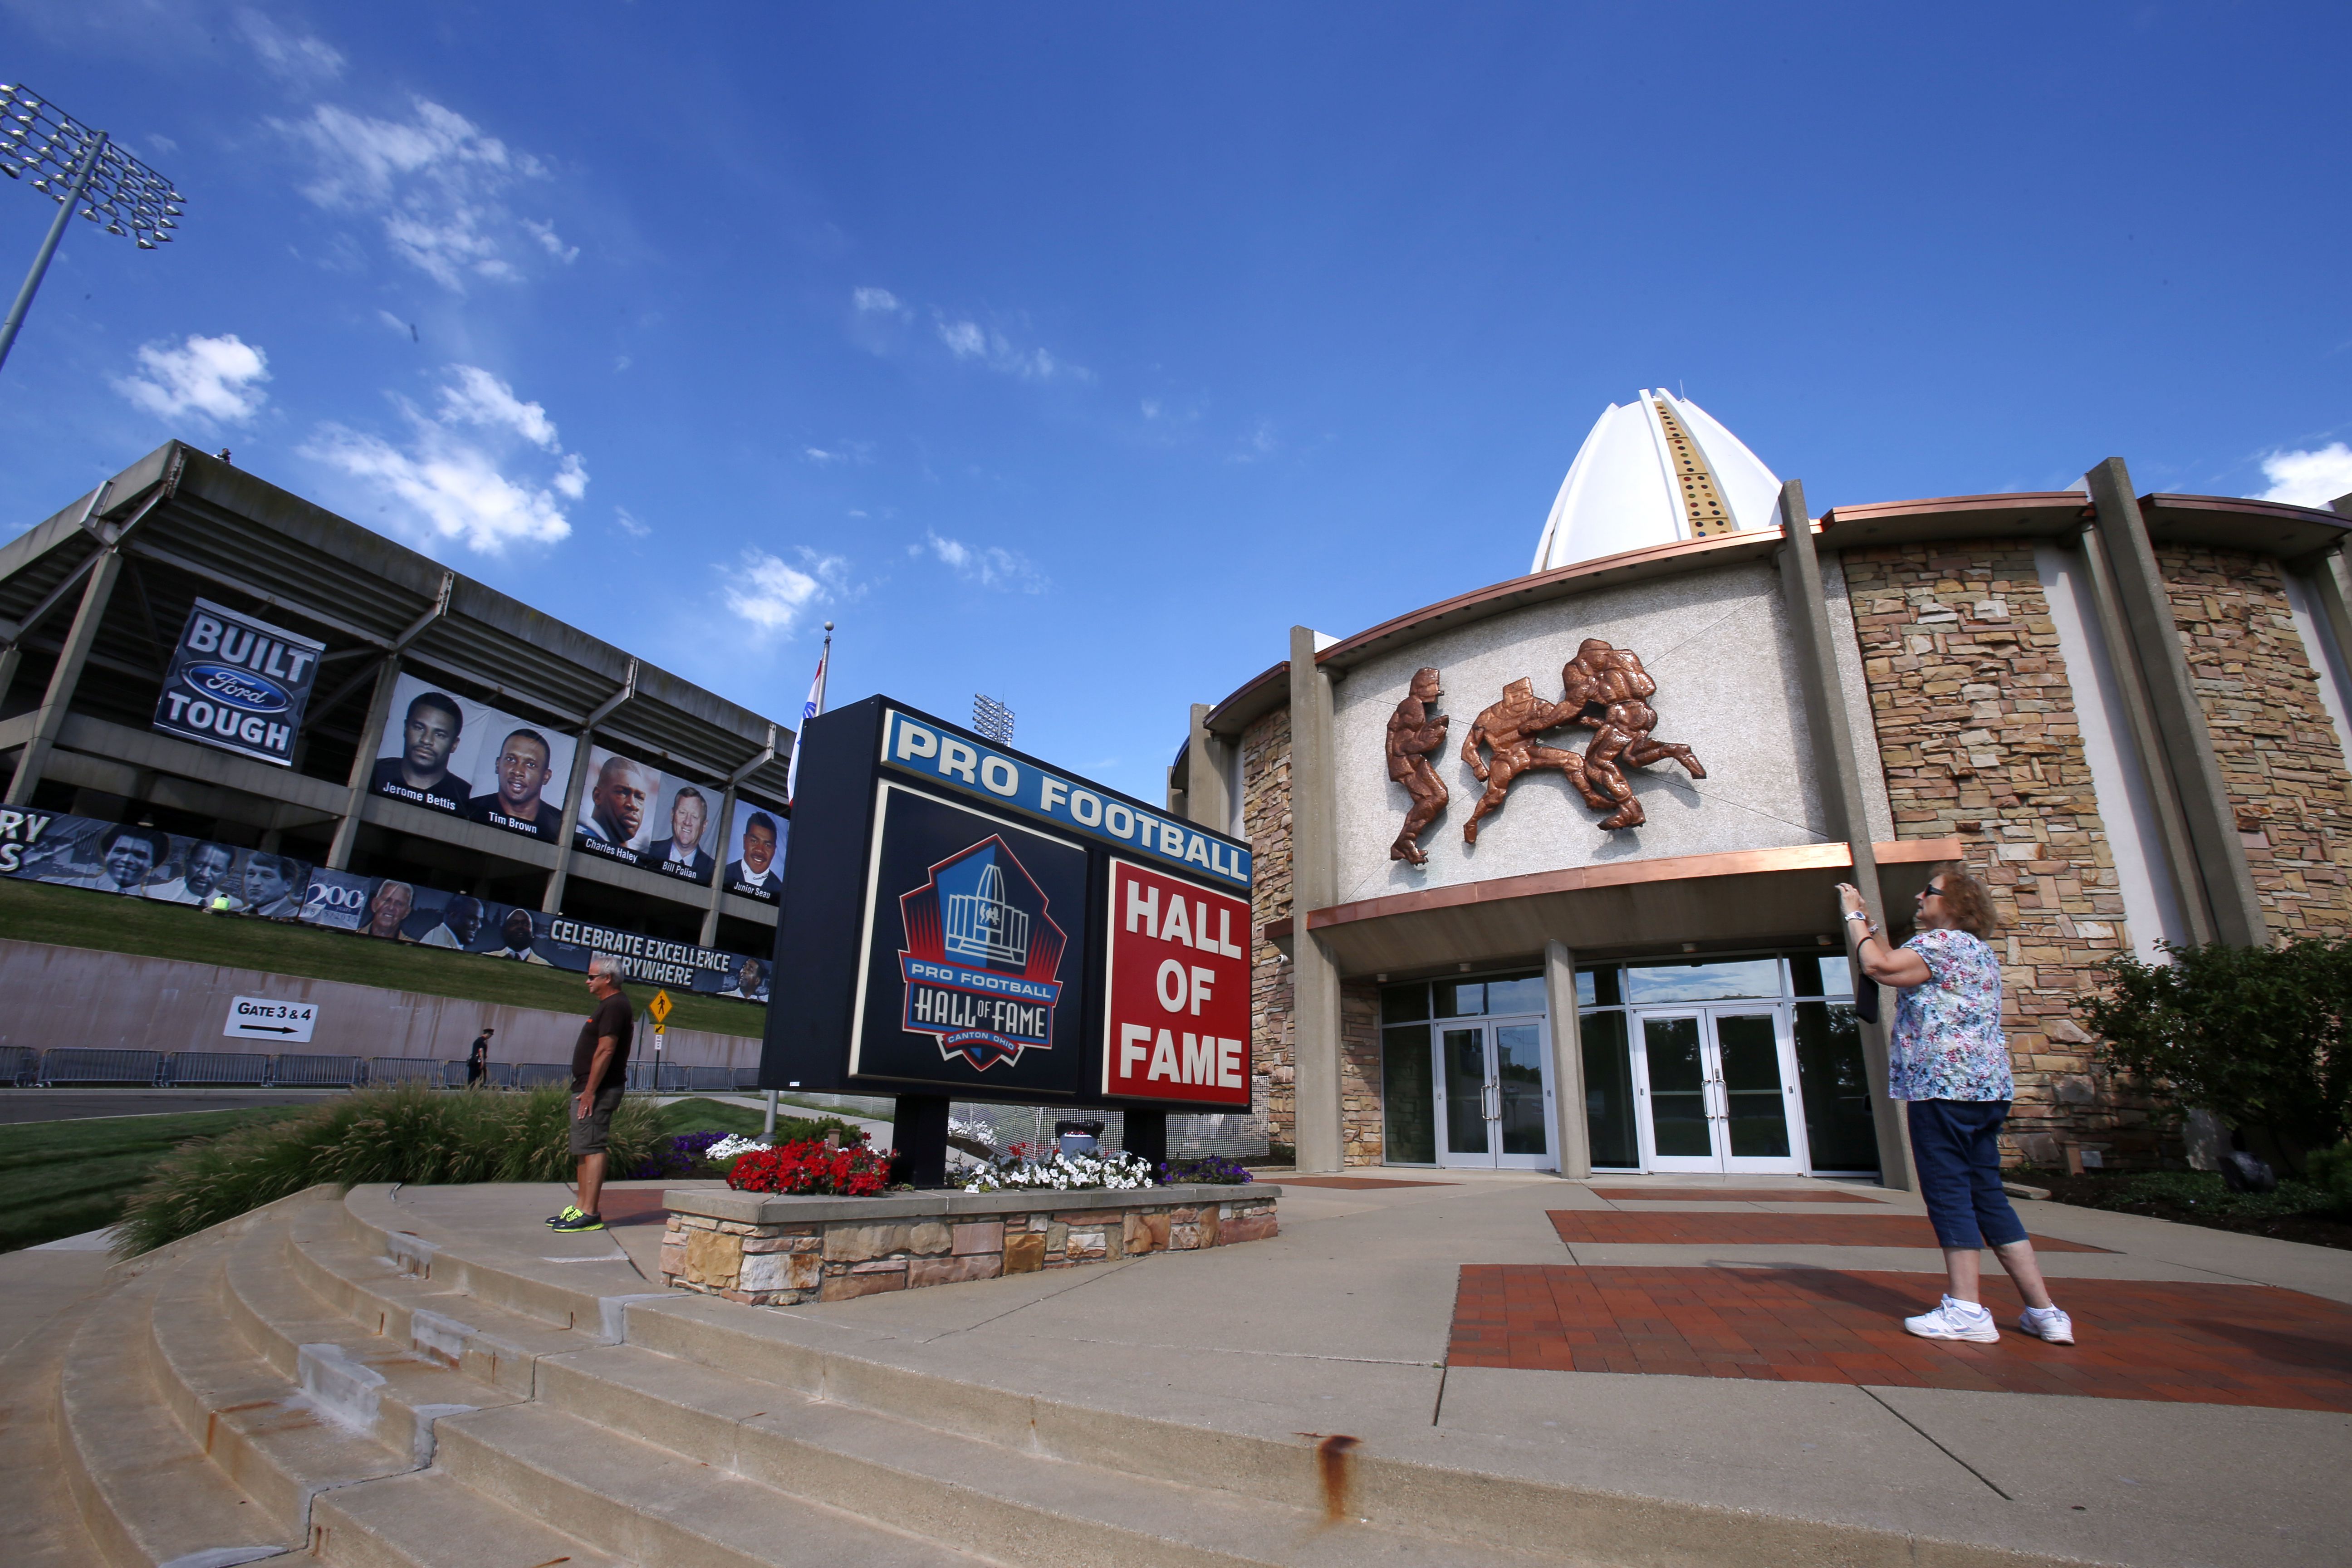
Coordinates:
<point>809,710</point>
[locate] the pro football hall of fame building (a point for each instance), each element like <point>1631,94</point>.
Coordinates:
<point>1545,870</point>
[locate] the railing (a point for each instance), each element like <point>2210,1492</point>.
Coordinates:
<point>404,1070</point>
<point>531,1075</point>
<point>318,1072</point>
<point>19,1066</point>
<point>77,1064</point>
<point>240,1068</point>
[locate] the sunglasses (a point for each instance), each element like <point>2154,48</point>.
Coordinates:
<point>1931,891</point>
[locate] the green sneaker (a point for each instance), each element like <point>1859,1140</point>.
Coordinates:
<point>578,1221</point>
<point>563,1216</point>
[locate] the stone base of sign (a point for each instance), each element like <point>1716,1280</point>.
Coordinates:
<point>771,1251</point>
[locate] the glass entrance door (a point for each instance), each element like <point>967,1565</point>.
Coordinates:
<point>1717,1088</point>
<point>1495,1095</point>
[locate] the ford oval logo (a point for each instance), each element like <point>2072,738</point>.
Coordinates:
<point>237,688</point>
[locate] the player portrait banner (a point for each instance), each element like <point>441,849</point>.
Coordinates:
<point>450,754</point>
<point>755,851</point>
<point>634,813</point>
<point>238,683</point>
<point>148,863</point>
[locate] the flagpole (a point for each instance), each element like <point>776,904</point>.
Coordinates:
<point>809,710</point>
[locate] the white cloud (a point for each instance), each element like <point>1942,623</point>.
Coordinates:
<point>964,339</point>
<point>1260,443</point>
<point>771,595</point>
<point>629,524</point>
<point>436,183</point>
<point>840,452</point>
<point>297,58</point>
<point>971,340</point>
<point>2309,479</point>
<point>989,565</point>
<point>162,143</point>
<point>877,302</point>
<point>214,378</point>
<point>456,486</point>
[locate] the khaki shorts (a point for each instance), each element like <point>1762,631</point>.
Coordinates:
<point>591,1133</point>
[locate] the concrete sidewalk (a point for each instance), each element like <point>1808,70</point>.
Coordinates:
<point>1353,1321</point>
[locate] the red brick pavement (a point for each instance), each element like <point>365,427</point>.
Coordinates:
<point>1600,1226</point>
<point>2193,1344</point>
<point>1733,1195</point>
<point>1352,1183</point>
<point>633,1206</point>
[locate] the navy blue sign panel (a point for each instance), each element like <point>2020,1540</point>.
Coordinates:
<point>238,683</point>
<point>965,976</point>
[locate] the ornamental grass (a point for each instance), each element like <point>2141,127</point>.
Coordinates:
<point>404,1132</point>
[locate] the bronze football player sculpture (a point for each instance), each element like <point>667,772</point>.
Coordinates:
<point>1606,689</point>
<point>1509,730</point>
<point>1413,733</point>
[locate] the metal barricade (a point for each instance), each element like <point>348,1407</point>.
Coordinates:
<point>746,1078</point>
<point>249,1069</point>
<point>404,1070</point>
<point>19,1065</point>
<point>534,1075</point>
<point>641,1077</point>
<point>74,1064</point>
<point>318,1072</point>
<point>711,1079</point>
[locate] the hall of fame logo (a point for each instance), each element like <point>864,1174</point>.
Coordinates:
<point>982,957</point>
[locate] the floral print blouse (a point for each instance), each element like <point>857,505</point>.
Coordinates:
<point>1949,1043</point>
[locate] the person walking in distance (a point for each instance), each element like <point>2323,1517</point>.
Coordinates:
<point>600,1069</point>
<point>1949,1059</point>
<point>478,1061</point>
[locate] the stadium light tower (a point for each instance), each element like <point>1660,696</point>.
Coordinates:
<point>75,166</point>
<point>991,719</point>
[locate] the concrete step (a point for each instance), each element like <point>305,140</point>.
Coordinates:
<point>279,1439</point>
<point>431,1520</point>
<point>568,1282</point>
<point>146,1491</point>
<point>645,1504</point>
<point>1010,1504</point>
<point>397,1390</point>
<point>349,1270</point>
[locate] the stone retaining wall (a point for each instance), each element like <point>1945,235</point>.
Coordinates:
<point>771,1251</point>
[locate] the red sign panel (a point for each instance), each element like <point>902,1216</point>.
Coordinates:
<point>1178,1024</point>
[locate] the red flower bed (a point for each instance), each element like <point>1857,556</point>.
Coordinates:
<point>812,1168</point>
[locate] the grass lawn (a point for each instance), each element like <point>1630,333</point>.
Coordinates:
<point>75,916</point>
<point>713,1116</point>
<point>62,1178</point>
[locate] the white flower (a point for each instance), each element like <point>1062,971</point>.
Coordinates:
<point>734,1143</point>
<point>1065,1173</point>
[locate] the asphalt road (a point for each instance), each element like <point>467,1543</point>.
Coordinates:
<point>79,1104</point>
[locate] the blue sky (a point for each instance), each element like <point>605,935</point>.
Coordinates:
<point>1073,354</point>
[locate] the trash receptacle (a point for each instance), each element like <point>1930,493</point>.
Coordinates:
<point>1078,1137</point>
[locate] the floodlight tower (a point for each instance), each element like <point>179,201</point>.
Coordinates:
<point>991,719</point>
<point>73,165</point>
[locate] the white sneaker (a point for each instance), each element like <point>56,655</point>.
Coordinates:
<point>2049,1324</point>
<point>1955,1320</point>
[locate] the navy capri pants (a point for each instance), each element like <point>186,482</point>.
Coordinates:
<point>1956,1146</point>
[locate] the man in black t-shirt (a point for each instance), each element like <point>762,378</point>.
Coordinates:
<point>478,1061</point>
<point>600,1070</point>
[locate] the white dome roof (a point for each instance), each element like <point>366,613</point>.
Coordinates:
<point>1653,472</point>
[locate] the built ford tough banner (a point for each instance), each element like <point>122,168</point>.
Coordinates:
<point>238,684</point>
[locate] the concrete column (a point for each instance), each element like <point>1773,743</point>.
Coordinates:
<point>553,903</point>
<point>1571,1134</point>
<point>717,837</point>
<point>1314,884</point>
<point>379,714</point>
<point>71,658</point>
<point>2185,746</point>
<point>10,657</point>
<point>2326,577</point>
<point>2139,716</point>
<point>1208,798</point>
<point>1843,798</point>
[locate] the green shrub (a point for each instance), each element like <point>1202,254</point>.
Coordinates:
<point>2330,1171</point>
<point>403,1133</point>
<point>2255,1034</point>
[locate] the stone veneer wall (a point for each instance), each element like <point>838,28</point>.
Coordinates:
<point>1362,1128</point>
<point>1978,733</point>
<point>1265,819</point>
<point>2281,759</point>
<point>773,1264</point>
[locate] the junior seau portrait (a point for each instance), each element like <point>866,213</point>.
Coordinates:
<point>682,854</point>
<point>616,805</point>
<point>420,774</point>
<point>756,872</point>
<point>516,804</point>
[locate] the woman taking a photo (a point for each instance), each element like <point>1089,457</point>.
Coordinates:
<point>1949,1059</point>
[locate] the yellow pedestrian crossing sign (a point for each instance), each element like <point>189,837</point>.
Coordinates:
<point>659,1008</point>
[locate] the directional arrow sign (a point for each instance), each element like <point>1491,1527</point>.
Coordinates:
<point>659,1008</point>
<point>261,1018</point>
